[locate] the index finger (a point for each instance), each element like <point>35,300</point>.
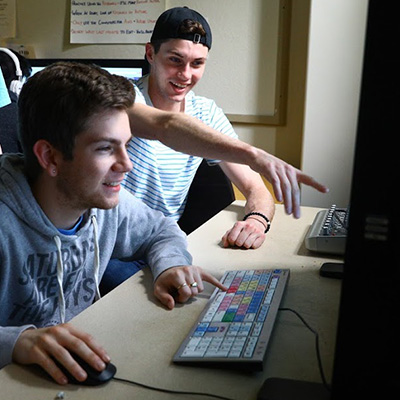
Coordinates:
<point>205,276</point>
<point>310,181</point>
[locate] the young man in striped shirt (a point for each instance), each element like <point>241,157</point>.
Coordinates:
<point>161,176</point>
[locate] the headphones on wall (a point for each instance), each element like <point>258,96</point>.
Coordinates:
<point>15,85</point>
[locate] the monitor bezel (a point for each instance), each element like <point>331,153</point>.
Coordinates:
<point>101,62</point>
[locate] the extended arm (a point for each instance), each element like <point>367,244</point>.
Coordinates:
<point>189,135</point>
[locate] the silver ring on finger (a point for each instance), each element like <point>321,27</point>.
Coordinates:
<point>181,286</point>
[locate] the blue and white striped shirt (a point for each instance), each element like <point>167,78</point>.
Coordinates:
<point>160,176</point>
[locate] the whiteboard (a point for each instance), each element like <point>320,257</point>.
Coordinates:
<point>247,65</point>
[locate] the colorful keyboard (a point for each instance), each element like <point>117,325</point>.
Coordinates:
<point>234,328</point>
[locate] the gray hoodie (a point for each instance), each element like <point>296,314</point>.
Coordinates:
<point>47,278</point>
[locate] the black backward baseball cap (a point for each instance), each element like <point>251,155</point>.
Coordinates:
<point>168,24</point>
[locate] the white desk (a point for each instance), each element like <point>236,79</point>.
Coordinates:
<point>141,336</point>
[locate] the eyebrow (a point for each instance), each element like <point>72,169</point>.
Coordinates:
<point>176,53</point>
<point>110,140</point>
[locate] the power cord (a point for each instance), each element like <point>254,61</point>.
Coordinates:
<point>157,389</point>
<point>321,369</point>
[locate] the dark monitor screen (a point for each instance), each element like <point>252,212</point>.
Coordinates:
<point>131,69</point>
<point>367,361</point>
<point>367,354</point>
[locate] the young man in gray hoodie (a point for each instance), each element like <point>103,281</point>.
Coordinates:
<point>64,214</point>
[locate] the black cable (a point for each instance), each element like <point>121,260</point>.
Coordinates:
<point>215,396</point>
<point>321,369</point>
<point>157,389</point>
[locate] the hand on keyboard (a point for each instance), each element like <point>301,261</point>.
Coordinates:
<point>235,326</point>
<point>182,283</point>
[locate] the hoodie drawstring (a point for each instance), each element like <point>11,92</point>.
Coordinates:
<point>96,257</point>
<point>60,277</point>
<point>60,268</point>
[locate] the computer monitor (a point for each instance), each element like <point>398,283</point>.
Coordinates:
<point>367,362</point>
<point>130,68</point>
<point>367,356</point>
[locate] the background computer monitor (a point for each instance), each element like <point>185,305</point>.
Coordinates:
<point>131,69</point>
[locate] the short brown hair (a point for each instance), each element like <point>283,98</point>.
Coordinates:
<point>56,103</point>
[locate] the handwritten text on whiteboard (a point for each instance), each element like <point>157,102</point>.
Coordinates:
<point>129,21</point>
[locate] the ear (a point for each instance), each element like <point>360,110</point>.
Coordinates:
<point>47,156</point>
<point>149,52</point>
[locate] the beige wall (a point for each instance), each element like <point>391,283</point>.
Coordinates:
<point>334,67</point>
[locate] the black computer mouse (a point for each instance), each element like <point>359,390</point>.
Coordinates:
<point>94,377</point>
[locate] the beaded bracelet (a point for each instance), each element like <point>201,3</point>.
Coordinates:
<point>260,215</point>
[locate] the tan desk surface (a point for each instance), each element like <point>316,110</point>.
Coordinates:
<point>142,337</point>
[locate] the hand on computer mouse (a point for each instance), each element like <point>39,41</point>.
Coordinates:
<point>93,376</point>
<point>44,345</point>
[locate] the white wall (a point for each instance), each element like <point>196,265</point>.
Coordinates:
<point>336,44</point>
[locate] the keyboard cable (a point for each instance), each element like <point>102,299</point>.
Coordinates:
<point>214,396</point>
<point>308,326</point>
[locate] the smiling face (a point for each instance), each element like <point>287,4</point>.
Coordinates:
<point>175,70</point>
<point>92,179</point>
